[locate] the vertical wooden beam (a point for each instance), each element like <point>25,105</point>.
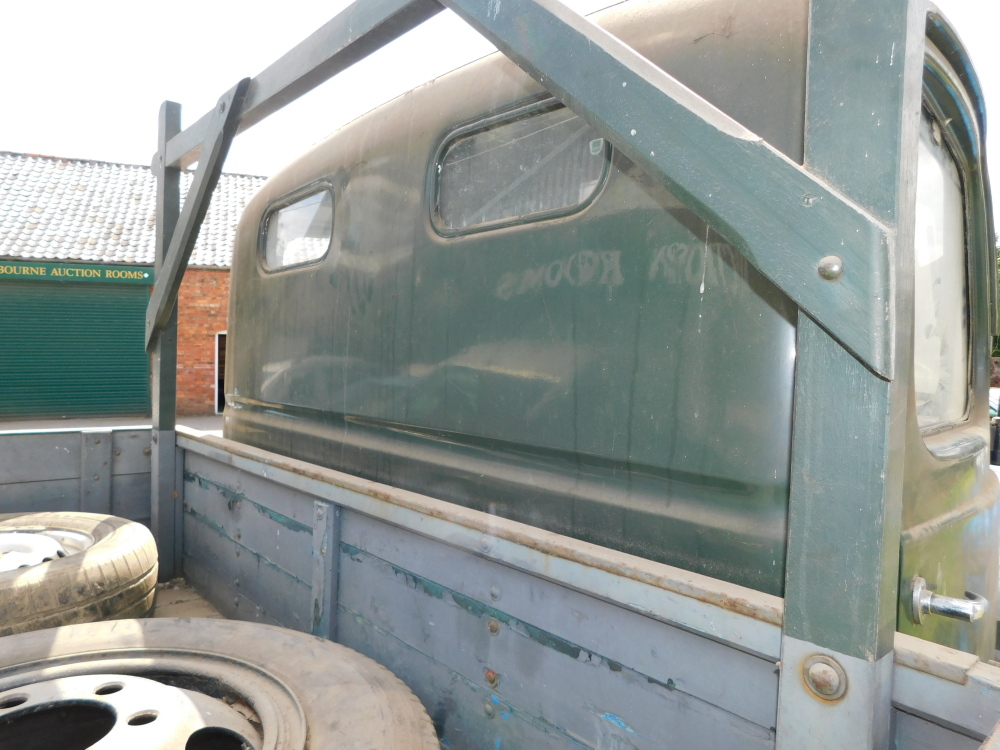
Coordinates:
<point>326,569</point>
<point>845,505</point>
<point>165,489</point>
<point>95,471</point>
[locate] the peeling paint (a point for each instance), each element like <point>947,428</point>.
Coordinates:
<point>507,710</point>
<point>221,531</point>
<point>234,496</point>
<point>618,722</point>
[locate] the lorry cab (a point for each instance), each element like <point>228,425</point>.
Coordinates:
<point>472,294</point>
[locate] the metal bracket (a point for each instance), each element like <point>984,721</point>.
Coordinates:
<point>219,136</point>
<point>925,602</point>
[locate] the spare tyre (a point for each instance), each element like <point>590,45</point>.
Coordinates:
<point>195,684</point>
<point>64,568</point>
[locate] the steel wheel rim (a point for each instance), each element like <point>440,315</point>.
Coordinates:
<point>235,687</point>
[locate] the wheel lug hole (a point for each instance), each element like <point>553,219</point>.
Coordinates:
<point>143,717</point>
<point>109,688</point>
<point>13,700</point>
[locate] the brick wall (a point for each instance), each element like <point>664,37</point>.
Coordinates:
<point>203,309</point>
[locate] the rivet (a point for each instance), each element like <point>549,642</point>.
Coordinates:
<point>489,710</point>
<point>97,441</point>
<point>146,451</point>
<point>825,677</point>
<point>97,478</point>
<point>495,593</point>
<point>494,626</point>
<point>492,678</point>
<point>831,268</point>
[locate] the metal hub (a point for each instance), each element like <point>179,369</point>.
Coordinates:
<point>25,548</point>
<point>120,712</point>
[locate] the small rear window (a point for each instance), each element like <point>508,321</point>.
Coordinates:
<point>298,232</point>
<point>941,326</point>
<point>538,165</point>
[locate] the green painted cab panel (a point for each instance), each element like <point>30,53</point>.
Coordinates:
<point>620,374</point>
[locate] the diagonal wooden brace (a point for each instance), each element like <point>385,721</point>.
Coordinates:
<point>219,136</point>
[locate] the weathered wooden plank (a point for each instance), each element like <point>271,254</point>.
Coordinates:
<point>130,496</point>
<point>32,457</point>
<point>33,497</point>
<point>972,705</point>
<point>540,672</point>
<point>541,678</point>
<point>913,733</point>
<point>231,603</point>
<point>658,650</point>
<point>95,471</point>
<point>249,518</point>
<point>131,451</point>
<point>746,619</point>
<point>459,708</point>
<point>248,571</point>
<point>326,569</point>
<point>291,503</point>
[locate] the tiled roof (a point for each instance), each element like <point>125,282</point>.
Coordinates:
<point>74,209</point>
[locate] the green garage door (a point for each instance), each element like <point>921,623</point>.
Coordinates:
<point>73,349</point>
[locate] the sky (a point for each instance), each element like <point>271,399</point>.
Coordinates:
<point>86,79</point>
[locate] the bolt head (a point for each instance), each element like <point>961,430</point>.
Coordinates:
<point>494,626</point>
<point>825,677</point>
<point>495,593</point>
<point>492,678</point>
<point>831,268</point>
<point>489,709</point>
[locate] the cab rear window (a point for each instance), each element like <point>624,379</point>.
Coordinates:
<point>298,230</point>
<point>523,168</point>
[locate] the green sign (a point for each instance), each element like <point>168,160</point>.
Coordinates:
<point>84,272</point>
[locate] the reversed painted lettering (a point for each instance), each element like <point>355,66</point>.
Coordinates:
<point>580,269</point>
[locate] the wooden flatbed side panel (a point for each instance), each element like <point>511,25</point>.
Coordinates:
<point>747,620</point>
<point>272,520</point>
<point>660,651</point>
<point>948,688</point>
<point>913,733</point>
<point>251,558</point>
<point>130,474</point>
<point>130,497</point>
<point>70,471</point>
<point>570,665</point>
<point>36,497</point>
<point>39,456</point>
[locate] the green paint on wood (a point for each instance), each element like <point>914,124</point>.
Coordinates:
<point>235,496</point>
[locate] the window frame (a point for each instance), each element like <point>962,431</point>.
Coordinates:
<point>288,199</point>
<point>948,105</point>
<point>521,111</point>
